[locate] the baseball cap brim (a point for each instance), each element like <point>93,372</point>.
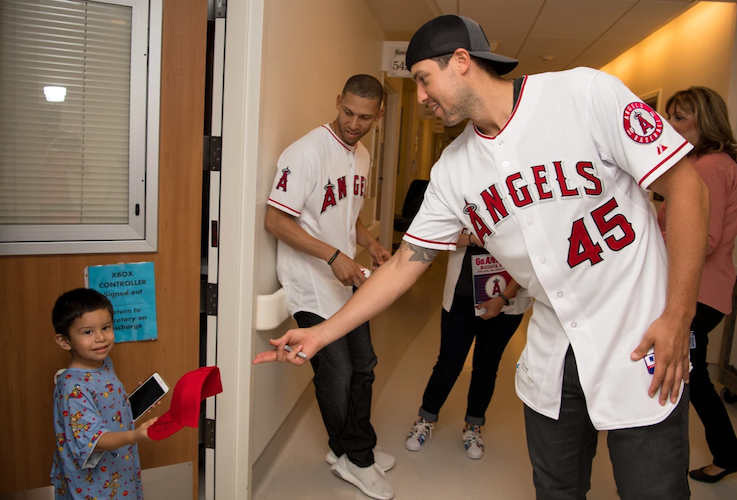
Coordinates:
<point>502,64</point>
<point>191,389</point>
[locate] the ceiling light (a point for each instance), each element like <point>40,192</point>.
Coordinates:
<point>55,94</point>
<point>493,44</point>
<point>547,59</point>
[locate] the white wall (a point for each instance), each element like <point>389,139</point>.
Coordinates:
<point>310,48</point>
<point>693,49</point>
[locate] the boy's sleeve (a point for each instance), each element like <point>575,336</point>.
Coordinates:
<point>294,181</point>
<point>629,133</point>
<point>83,424</point>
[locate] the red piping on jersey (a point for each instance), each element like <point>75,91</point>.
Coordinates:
<point>341,142</point>
<point>661,163</point>
<point>519,100</point>
<point>429,241</point>
<point>283,205</point>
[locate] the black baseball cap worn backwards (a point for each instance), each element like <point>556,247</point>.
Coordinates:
<point>444,34</point>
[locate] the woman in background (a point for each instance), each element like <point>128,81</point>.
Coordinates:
<point>700,115</point>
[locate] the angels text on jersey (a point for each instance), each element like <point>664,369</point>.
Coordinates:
<point>547,182</point>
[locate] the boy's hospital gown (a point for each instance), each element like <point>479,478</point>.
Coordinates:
<point>88,403</point>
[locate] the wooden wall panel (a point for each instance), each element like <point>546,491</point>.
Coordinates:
<point>29,285</point>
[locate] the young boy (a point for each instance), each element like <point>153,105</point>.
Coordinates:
<point>96,453</point>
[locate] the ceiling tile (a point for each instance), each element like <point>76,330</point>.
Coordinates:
<point>484,10</point>
<point>569,28</point>
<point>586,10</point>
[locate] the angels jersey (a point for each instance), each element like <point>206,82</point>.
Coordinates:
<point>557,196</point>
<point>321,181</point>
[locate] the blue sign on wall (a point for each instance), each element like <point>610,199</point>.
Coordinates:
<point>132,291</point>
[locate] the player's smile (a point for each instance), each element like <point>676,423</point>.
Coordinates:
<point>355,117</point>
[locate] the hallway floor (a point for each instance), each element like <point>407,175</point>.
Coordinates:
<point>441,469</point>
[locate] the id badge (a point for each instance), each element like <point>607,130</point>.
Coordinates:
<point>650,362</point>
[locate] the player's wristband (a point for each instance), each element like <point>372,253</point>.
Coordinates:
<point>504,298</point>
<point>335,256</point>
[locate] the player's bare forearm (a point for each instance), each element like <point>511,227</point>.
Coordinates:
<point>466,240</point>
<point>387,284</point>
<point>687,227</point>
<point>512,288</point>
<point>364,238</point>
<point>283,227</point>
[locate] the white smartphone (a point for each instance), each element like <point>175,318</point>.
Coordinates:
<point>147,394</point>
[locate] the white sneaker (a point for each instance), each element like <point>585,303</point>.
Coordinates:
<point>421,430</point>
<point>370,480</point>
<point>473,442</point>
<point>383,460</point>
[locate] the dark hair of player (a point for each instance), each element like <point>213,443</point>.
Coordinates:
<point>365,86</point>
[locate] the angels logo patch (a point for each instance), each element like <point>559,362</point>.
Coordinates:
<point>641,123</point>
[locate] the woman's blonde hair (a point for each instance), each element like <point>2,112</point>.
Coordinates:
<point>712,120</point>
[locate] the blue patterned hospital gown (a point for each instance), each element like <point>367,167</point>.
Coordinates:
<point>88,403</point>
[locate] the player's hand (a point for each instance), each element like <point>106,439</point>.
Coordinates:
<point>347,271</point>
<point>378,253</point>
<point>669,336</point>
<point>142,432</point>
<point>493,307</point>
<point>304,340</point>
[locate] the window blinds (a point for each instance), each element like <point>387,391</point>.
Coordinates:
<point>64,162</point>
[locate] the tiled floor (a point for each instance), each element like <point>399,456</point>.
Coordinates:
<point>441,470</point>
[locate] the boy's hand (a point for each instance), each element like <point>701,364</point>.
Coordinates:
<point>142,432</point>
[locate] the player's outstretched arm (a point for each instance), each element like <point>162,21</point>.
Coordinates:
<point>386,285</point>
<point>687,229</point>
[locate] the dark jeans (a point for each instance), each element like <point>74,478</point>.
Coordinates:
<point>719,433</point>
<point>649,462</point>
<point>458,328</point>
<point>344,374</point>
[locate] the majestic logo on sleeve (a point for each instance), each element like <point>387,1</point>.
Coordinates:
<point>283,181</point>
<point>641,123</point>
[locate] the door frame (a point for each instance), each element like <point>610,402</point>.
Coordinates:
<point>236,291</point>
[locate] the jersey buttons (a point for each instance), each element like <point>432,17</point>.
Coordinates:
<point>542,260</point>
<point>560,294</point>
<point>574,324</point>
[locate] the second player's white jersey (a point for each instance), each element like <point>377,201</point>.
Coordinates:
<point>322,182</point>
<point>558,198</point>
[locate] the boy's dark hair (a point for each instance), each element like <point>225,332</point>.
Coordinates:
<point>75,303</point>
<point>365,86</point>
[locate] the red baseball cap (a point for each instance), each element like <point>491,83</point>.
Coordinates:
<point>193,388</point>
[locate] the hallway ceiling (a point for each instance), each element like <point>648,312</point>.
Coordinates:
<point>574,32</point>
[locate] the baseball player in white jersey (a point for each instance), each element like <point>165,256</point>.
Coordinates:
<point>314,206</point>
<point>553,186</point>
